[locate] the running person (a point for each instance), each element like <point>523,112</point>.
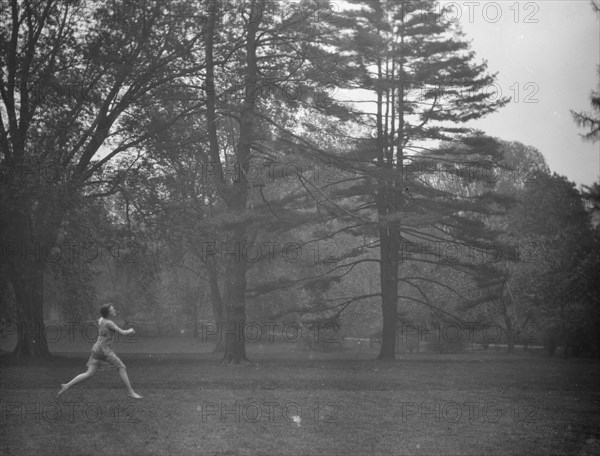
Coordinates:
<point>102,351</point>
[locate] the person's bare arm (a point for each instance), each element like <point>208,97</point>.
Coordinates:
<point>114,327</point>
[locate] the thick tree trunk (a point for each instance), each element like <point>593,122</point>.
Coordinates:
<point>388,234</point>
<point>26,266</point>
<point>235,344</point>
<point>235,195</point>
<point>235,309</point>
<point>28,283</point>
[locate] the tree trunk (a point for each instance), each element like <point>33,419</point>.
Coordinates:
<point>26,269</point>
<point>211,115</point>
<point>389,292</point>
<point>389,234</point>
<point>28,283</point>
<point>235,310</point>
<point>235,195</point>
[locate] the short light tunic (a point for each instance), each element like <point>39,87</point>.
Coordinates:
<point>102,349</point>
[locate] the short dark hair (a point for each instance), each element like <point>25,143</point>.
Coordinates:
<point>105,310</point>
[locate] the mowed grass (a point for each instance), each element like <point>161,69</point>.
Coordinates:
<point>421,404</point>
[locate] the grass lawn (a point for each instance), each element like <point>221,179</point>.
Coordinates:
<point>286,403</point>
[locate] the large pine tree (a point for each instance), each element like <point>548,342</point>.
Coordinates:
<point>424,84</point>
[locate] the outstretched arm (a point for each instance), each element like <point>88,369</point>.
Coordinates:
<point>114,327</point>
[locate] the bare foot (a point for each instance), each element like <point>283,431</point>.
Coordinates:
<point>134,395</point>
<point>62,389</point>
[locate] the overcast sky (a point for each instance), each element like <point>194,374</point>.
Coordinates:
<point>552,64</point>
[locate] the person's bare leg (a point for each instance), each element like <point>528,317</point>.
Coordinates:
<point>81,377</point>
<point>130,392</point>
